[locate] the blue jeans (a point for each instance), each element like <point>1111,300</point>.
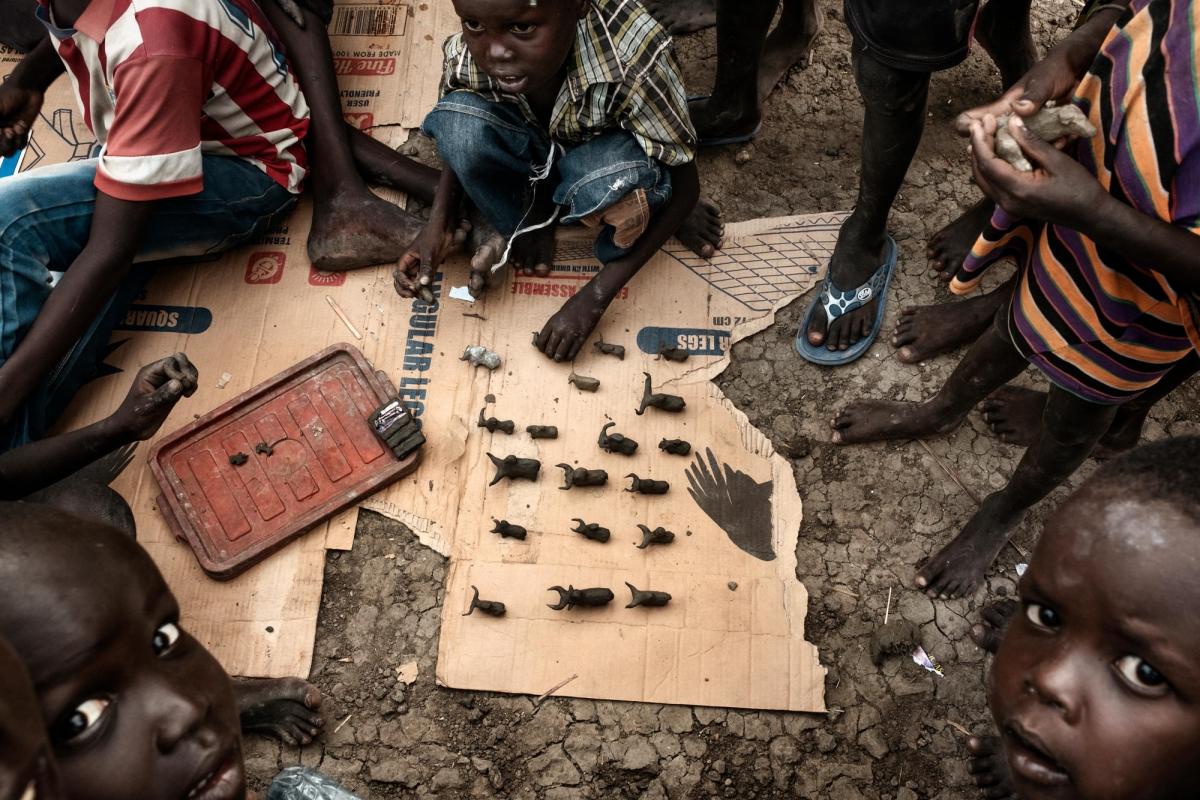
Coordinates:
<point>45,222</point>
<point>496,155</point>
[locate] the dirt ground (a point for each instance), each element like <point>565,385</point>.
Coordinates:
<point>871,512</point>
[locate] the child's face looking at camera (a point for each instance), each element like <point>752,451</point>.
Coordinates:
<point>26,769</point>
<point>522,46</point>
<point>135,707</point>
<point>1096,686</point>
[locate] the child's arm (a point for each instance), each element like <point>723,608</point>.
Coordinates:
<point>1055,76</point>
<point>22,94</point>
<point>418,265</point>
<point>80,295</point>
<point>154,392</point>
<point>1061,191</point>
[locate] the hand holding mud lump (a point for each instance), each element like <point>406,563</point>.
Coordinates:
<point>1049,124</point>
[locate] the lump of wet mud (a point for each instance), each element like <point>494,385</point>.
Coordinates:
<point>897,638</point>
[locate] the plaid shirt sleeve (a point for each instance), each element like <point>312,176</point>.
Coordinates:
<point>656,111</point>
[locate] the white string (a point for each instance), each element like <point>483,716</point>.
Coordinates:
<point>541,173</point>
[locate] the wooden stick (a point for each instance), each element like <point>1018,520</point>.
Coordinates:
<point>887,611</point>
<point>959,728</point>
<point>552,690</point>
<point>342,316</point>
<point>343,722</point>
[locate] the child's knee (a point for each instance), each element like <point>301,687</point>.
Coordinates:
<point>465,121</point>
<point>887,90</point>
<point>1070,421</point>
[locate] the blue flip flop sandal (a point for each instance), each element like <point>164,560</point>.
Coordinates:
<point>835,302</point>
<point>719,141</point>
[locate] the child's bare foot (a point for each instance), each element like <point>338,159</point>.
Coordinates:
<point>1014,414</point>
<point>358,229</point>
<point>996,616</point>
<point>567,330</point>
<point>703,230</point>
<point>533,253</point>
<point>790,42</point>
<point>949,247</point>
<point>881,420</point>
<point>486,246</point>
<point>855,258</point>
<point>282,708</point>
<point>989,768</point>
<point>713,121</point>
<point>923,332</point>
<point>958,569</point>
<point>683,16</point>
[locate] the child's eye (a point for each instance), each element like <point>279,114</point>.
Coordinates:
<point>1141,675</point>
<point>166,636</point>
<point>472,26</point>
<point>82,719</point>
<point>1043,616</point>
<point>522,28</point>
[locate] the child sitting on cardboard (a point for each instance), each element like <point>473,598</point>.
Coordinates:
<point>133,705</point>
<point>1094,683</point>
<point>200,125</point>
<point>562,110</point>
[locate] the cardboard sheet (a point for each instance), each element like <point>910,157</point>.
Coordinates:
<point>257,310</point>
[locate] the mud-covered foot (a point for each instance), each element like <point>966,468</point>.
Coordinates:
<point>855,258</point>
<point>989,767</point>
<point>533,253</point>
<point>358,229</point>
<point>282,708</point>
<point>565,332</point>
<point>788,44</point>
<point>703,230</point>
<point>880,420</point>
<point>683,16</point>
<point>988,632</point>
<point>1014,414</point>
<point>722,120</point>
<point>958,569</point>
<point>486,247</point>
<point>923,332</point>
<point>949,247</point>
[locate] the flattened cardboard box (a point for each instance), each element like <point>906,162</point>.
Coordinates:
<point>257,310</point>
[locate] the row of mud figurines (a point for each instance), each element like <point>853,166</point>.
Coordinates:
<point>571,597</point>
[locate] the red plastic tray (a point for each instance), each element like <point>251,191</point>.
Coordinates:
<point>325,459</point>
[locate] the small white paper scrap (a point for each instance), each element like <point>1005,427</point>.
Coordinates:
<point>461,293</point>
<point>1021,570</point>
<point>922,658</point>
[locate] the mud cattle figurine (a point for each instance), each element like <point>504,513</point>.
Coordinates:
<point>647,485</point>
<point>491,607</point>
<point>542,431</point>
<point>507,530</point>
<point>640,598</point>
<point>492,424</point>
<point>583,383</point>
<point>571,597</point>
<point>514,468</point>
<point>616,443</point>
<point>659,535</point>
<point>676,447</point>
<point>578,476</point>
<point>610,349</point>
<point>663,402</point>
<point>591,530</point>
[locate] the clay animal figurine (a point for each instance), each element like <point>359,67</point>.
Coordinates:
<point>492,424</point>
<point>663,402</point>
<point>264,449</point>
<point>647,485</point>
<point>659,535</point>
<point>591,530</point>
<point>426,295</point>
<point>479,356</point>
<point>584,383</point>
<point>641,598</point>
<point>676,447</point>
<point>542,432</point>
<point>578,476</point>
<point>491,607</point>
<point>1049,124</point>
<point>571,597</point>
<point>616,443</point>
<point>237,459</point>
<point>507,530</point>
<point>515,468</point>
<point>610,349</point>
<point>674,354</point>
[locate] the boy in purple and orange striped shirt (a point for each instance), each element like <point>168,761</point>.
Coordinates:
<point>199,125</point>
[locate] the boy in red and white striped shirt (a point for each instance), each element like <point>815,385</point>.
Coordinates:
<point>199,124</point>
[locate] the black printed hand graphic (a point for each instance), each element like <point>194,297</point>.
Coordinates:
<point>736,502</point>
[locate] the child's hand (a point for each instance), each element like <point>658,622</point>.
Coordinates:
<point>18,111</point>
<point>154,392</point>
<point>417,266</point>
<point>1053,78</point>
<point>1058,190</point>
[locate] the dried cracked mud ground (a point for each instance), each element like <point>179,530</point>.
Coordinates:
<point>893,732</point>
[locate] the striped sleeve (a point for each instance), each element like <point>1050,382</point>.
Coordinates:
<point>656,111</point>
<point>153,146</point>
